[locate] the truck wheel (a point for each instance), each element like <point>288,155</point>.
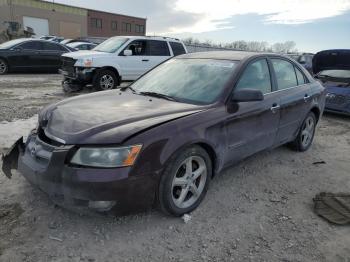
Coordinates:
<point>105,80</point>
<point>70,88</point>
<point>3,67</point>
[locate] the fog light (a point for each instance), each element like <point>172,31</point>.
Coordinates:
<point>101,206</point>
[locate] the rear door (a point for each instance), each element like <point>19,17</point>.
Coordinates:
<point>158,52</point>
<point>51,55</point>
<point>253,126</point>
<point>295,93</point>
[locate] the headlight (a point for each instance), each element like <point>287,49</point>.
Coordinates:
<point>106,157</point>
<point>87,62</point>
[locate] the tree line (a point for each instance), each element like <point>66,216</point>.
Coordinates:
<point>256,46</point>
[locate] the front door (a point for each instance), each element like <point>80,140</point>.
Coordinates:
<point>253,126</point>
<point>138,63</point>
<point>26,56</point>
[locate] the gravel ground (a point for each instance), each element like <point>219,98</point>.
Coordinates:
<point>258,210</point>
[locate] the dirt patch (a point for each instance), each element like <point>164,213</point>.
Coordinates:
<point>9,218</point>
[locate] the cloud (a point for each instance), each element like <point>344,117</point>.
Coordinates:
<point>196,16</point>
<point>275,11</point>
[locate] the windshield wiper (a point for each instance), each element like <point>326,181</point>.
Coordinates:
<point>159,95</point>
<point>126,87</point>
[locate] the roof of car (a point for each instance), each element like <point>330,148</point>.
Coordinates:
<point>164,38</point>
<point>80,43</point>
<point>227,55</point>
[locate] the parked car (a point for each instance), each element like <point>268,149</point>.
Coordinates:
<point>69,41</point>
<point>304,59</point>
<point>117,59</point>
<point>332,67</point>
<point>66,41</point>
<point>164,137</point>
<point>52,38</point>
<point>31,54</point>
<point>81,45</point>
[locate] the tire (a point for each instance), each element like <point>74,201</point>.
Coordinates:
<point>306,134</point>
<point>105,80</point>
<point>3,67</point>
<point>70,88</point>
<point>176,189</point>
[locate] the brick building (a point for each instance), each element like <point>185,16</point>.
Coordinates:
<point>49,18</point>
<point>102,24</point>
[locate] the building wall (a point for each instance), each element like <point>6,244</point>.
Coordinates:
<point>63,20</point>
<point>107,19</point>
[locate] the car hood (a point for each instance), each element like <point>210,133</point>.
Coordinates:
<point>108,117</point>
<point>86,54</point>
<point>331,60</point>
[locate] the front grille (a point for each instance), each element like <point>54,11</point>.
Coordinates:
<point>68,65</point>
<point>337,99</point>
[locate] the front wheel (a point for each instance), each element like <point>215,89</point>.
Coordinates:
<point>185,181</point>
<point>306,133</point>
<point>3,67</point>
<point>105,80</point>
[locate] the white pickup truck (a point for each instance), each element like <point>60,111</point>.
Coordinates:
<point>120,58</point>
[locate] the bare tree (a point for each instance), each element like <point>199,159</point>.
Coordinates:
<point>256,46</point>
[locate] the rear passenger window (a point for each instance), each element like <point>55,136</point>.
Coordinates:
<point>285,74</point>
<point>256,76</point>
<point>158,48</point>
<point>31,45</point>
<point>178,48</point>
<point>53,47</point>
<point>300,76</point>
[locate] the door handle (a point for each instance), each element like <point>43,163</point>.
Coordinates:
<point>306,97</point>
<point>275,108</point>
<point>145,60</point>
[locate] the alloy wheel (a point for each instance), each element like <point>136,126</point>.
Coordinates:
<point>189,181</point>
<point>307,131</point>
<point>3,67</point>
<point>106,82</point>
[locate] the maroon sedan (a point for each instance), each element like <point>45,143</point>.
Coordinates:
<point>162,139</point>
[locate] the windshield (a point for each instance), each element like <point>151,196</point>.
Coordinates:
<point>335,73</point>
<point>198,81</point>
<point>111,45</point>
<point>11,43</point>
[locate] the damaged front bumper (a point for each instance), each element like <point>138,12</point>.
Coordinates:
<point>10,159</point>
<point>47,166</point>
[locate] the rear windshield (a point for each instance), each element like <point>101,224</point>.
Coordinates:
<point>198,81</point>
<point>11,43</point>
<point>111,45</point>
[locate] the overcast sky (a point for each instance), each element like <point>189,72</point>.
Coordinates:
<point>313,24</point>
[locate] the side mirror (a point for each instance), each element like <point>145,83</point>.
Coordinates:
<point>247,95</point>
<point>127,52</point>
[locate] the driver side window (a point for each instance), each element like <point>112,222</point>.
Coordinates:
<point>256,76</point>
<point>138,48</point>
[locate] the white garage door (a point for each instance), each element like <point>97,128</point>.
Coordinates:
<point>39,25</point>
